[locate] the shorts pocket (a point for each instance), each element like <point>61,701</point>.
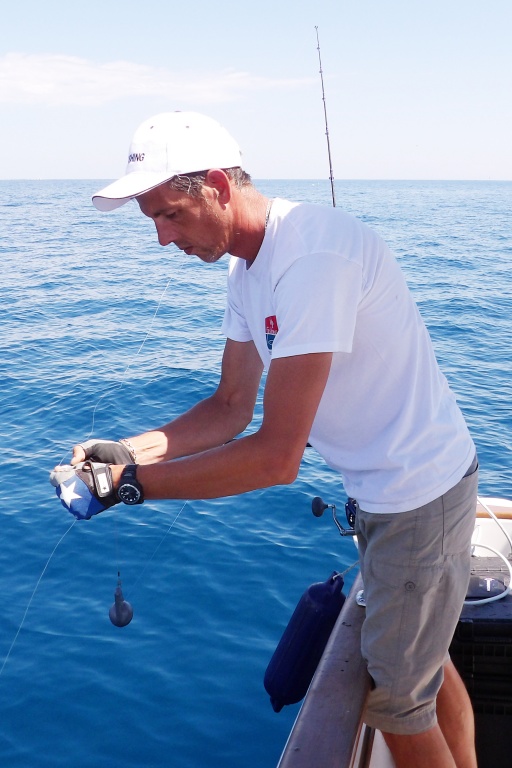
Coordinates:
<point>401,608</point>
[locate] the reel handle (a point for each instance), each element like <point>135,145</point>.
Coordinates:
<point>318,506</point>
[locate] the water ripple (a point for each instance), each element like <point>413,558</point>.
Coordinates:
<point>213,591</point>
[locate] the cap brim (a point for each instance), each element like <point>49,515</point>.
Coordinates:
<point>126,188</point>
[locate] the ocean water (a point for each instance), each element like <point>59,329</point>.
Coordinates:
<point>104,333</point>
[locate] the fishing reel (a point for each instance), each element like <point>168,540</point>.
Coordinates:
<point>318,507</point>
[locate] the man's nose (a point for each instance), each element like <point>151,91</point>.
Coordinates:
<point>165,233</point>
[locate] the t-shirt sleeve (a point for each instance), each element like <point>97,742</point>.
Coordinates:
<point>316,302</point>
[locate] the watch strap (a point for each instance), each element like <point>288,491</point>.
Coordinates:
<point>129,477</point>
<point>129,473</point>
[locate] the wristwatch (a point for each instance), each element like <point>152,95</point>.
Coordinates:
<point>129,490</point>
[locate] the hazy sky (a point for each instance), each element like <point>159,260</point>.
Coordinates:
<point>415,90</point>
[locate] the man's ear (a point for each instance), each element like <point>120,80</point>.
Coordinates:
<point>219,182</point>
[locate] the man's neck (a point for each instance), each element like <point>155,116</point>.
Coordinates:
<point>250,211</point>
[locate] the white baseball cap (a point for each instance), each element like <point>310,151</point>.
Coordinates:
<point>167,145</point>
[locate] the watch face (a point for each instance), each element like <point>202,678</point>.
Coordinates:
<point>128,493</point>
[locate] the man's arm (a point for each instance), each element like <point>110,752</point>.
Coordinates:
<point>213,421</point>
<point>270,456</point>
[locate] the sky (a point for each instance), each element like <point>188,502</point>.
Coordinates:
<point>414,90</point>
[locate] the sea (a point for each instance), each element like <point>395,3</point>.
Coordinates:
<point>106,334</point>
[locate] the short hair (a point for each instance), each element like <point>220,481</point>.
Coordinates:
<point>192,183</point>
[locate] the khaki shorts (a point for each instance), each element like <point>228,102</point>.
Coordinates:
<point>415,567</point>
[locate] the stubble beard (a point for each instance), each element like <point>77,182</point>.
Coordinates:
<point>220,250</point>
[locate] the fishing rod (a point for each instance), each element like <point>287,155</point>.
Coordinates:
<point>331,177</point>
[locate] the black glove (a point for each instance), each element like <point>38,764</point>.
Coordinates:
<point>84,490</point>
<point>107,452</point>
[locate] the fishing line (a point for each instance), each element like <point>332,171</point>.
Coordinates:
<point>121,382</point>
<point>157,548</point>
<point>33,594</point>
<point>121,611</point>
<point>116,387</point>
<point>120,602</point>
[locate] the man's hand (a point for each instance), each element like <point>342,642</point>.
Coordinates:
<point>103,451</point>
<point>84,490</point>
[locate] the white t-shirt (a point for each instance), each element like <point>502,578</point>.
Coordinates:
<point>387,421</point>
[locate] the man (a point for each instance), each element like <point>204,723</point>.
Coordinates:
<point>317,298</point>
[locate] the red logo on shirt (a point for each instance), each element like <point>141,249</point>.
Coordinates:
<point>270,330</point>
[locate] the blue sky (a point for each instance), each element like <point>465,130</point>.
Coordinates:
<point>415,90</point>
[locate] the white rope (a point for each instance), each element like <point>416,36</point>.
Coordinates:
<point>475,545</point>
